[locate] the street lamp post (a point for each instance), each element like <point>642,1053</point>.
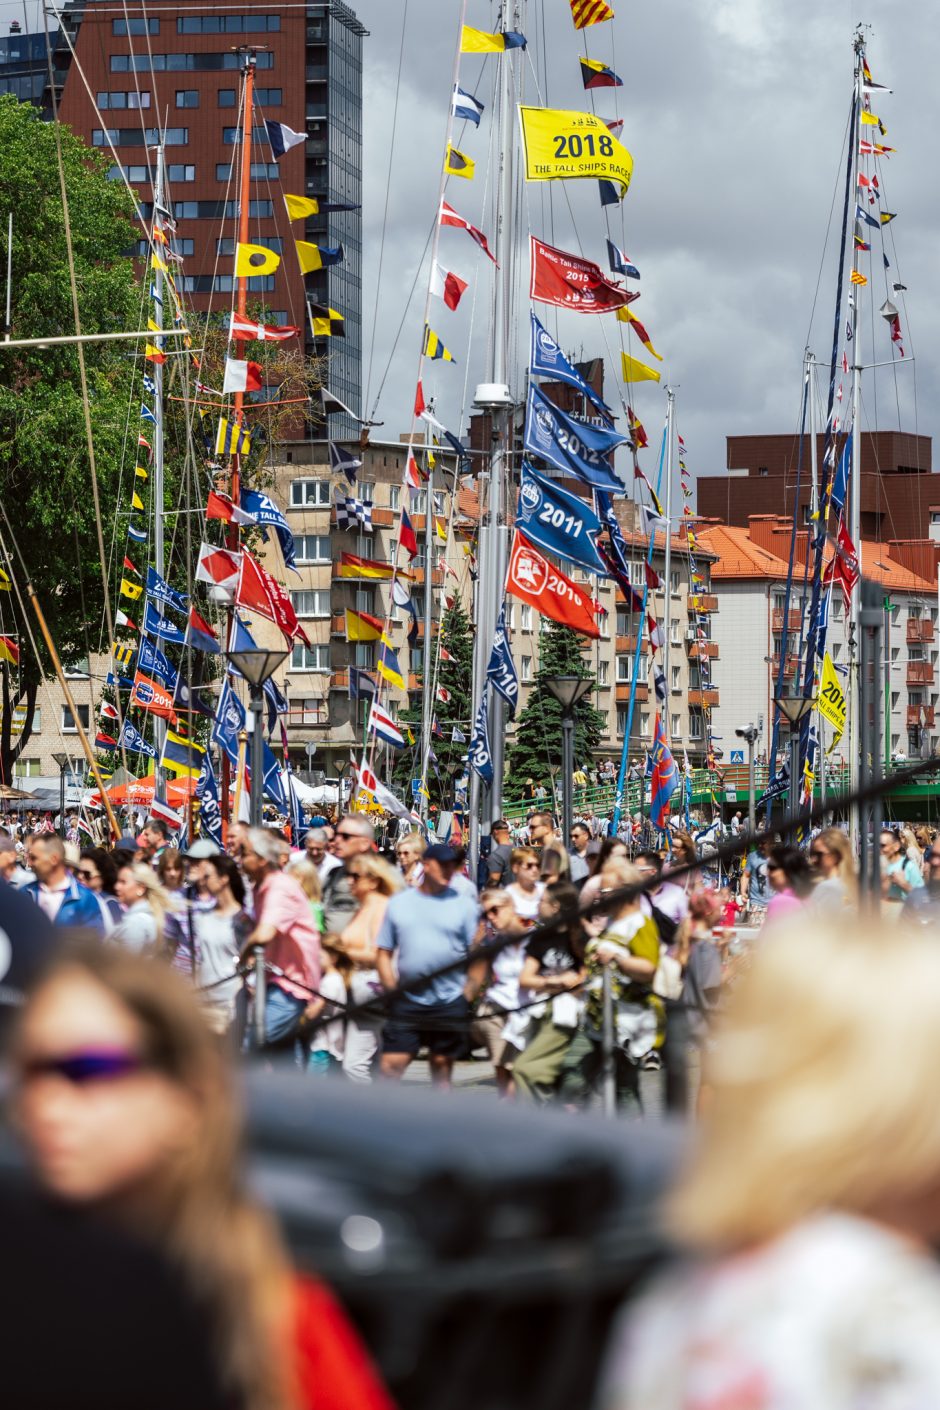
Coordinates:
<point>567,690</point>
<point>257,666</point>
<point>64,761</point>
<point>750,735</point>
<point>794,708</point>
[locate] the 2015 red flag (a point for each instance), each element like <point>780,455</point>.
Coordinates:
<point>533,579</point>
<point>571,282</point>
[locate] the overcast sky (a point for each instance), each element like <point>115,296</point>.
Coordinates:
<point>735,113</point>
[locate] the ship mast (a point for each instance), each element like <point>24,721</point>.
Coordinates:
<point>855,479</point>
<point>159,556</point>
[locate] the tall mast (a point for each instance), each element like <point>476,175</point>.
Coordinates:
<point>159,563</point>
<point>233,533</point>
<point>855,480</point>
<point>667,620</point>
<point>427,695</point>
<point>493,554</point>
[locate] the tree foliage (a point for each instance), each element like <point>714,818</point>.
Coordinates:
<point>45,483</point>
<point>536,748</point>
<point>455,675</point>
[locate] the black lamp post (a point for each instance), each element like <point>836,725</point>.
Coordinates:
<point>64,761</point>
<point>568,690</point>
<point>257,666</point>
<point>794,708</point>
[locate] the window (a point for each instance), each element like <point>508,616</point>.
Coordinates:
<point>836,650</point>
<point>935,516</point>
<point>123,99</point>
<point>674,580</point>
<point>226,97</point>
<point>260,171</point>
<point>269,97</point>
<point>645,725</point>
<point>216,210</point>
<point>134,27</point>
<point>78,672</point>
<point>313,548</point>
<point>365,547</point>
<point>621,719</point>
<point>310,492</point>
<point>313,712</point>
<point>837,608</point>
<point>18,720</point>
<point>603,624</point>
<point>178,246</point>
<point>915,697</point>
<point>624,668</point>
<point>231,136</point>
<point>394,496</point>
<point>643,669</point>
<point>638,573</point>
<point>915,653</point>
<point>227,24</point>
<point>603,673</point>
<point>762,470</point>
<point>913,611</point>
<point>224,283</point>
<point>68,723</point>
<point>525,667</point>
<point>178,172</point>
<point>675,635</point>
<point>696,724</point>
<point>526,617</point>
<point>310,658</point>
<point>674,672</point>
<point>28,768</point>
<point>675,726</point>
<point>364,656</point>
<point>193,63</point>
<point>695,678</point>
<point>365,489</point>
<point>187,97</point>
<point>138,136</point>
<point>895,698</point>
<point>365,599</point>
<point>623,621</point>
<point>311,602</point>
<point>130,173</point>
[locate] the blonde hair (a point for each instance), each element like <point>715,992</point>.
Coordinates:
<point>199,1213</point>
<point>306,874</point>
<point>835,841</point>
<point>806,1113</point>
<point>625,874</point>
<point>387,879</point>
<point>158,898</point>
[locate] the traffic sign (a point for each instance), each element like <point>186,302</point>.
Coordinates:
<point>737,756</point>
<point>415,787</point>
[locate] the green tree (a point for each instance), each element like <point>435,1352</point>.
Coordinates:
<point>44,471</point>
<point>455,675</point>
<point>536,748</point>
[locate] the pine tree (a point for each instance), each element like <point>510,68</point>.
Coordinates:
<point>455,676</point>
<point>536,749</point>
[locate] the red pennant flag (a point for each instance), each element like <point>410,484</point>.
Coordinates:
<point>413,476</point>
<point>533,579</point>
<point>130,567</point>
<point>406,535</point>
<point>220,506</point>
<point>218,566</point>
<point>420,403</point>
<point>448,216</point>
<point>264,595</point>
<point>653,580</point>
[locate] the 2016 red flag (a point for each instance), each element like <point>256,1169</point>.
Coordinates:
<point>247,331</point>
<point>571,282</point>
<point>533,579</point>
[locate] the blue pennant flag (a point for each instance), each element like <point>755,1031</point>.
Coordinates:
<point>546,359</point>
<point>862,214</point>
<point>609,193</point>
<point>138,535</point>
<point>479,756</point>
<point>297,824</point>
<point>229,722</point>
<point>361,684</point>
<point>615,552</point>
<point>160,591</point>
<point>153,663</point>
<point>570,444</point>
<point>159,626</point>
<point>559,522</point>
<point>240,639</point>
<point>210,813</point>
<point>277,704</point>
<point>464,464</point>
<point>501,671</point>
<point>840,483</point>
<point>131,738</point>
<point>779,786</point>
<point>265,511</point>
<point>189,699</point>
<point>147,414</point>
<point>272,783</point>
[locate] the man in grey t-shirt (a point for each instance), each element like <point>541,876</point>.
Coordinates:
<point>425,928</point>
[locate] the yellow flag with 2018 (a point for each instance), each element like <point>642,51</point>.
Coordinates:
<point>831,702</point>
<point>561,146</point>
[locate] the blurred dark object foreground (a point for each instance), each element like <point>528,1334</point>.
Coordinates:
<point>481,1248</point>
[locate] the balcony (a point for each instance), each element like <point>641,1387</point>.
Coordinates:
<point>339,680</point>
<point>919,629</point>
<point>703,650</point>
<point>702,698</point>
<point>920,673</point>
<point>623,644</point>
<point>793,623</point>
<point>920,715</point>
<point>623,693</point>
<point>703,602</point>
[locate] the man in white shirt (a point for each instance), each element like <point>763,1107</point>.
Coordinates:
<point>316,844</point>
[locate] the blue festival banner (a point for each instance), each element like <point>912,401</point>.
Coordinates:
<point>152,662</point>
<point>546,359</point>
<point>266,512</point>
<point>559,522</point>
<point>501,671</point>
<point>210,813</point>
<point>229,722</point>
<point>840,482</point>
<point>479,756</point>
<point>159,626</point>
<point>571,445</point>
<point>131,738</point>
<point>160,591</point>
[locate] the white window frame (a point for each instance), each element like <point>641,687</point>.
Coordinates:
<point>301,542</point>
<point>299,655</point>
<point>300,601</point>
<point>300,494</point>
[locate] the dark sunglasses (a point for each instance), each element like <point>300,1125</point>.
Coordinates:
<point>347,834</point>
<point>87,871</point>
<point>93,1065</point>
<point>490,911</point>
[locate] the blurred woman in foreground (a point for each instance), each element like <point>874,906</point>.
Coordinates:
<point>125,1102</point>
<point>812,1200</point>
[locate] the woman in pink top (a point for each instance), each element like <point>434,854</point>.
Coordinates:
<point>791,880</point>
<point>284,925</point>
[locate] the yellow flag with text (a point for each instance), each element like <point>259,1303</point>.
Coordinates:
<point>561,145</point>
<point>831,702</point>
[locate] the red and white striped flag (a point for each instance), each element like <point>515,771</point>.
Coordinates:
<point>248,331</point>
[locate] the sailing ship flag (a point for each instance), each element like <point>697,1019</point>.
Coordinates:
<point>160,591</point>
<point>181,756</point>
<point>151,696</point>
<point>561,145</point>
<point>831,702</point>
<point>246,330</point>
<point>261,593</point>
<point>263,510</point>
<point>621,263</point>
<point>131,590</point>
<point>546,359</point>
<point>162,627</point>
<point>447,286</point>
<point>311,257</point>
<point>362,626</point>
<point>568,281</point>
<point>242,376</point>
<point>387,665</point>
<point>326,322</point>
<point>588,12</point>
<point>501,670</point>
<point>476,41</point>
<point>571,444</point>
<point>369,568</point>
<point>210,812</point>
<point>626,315</point>
<point>457,163</point>
<point>131,739</point>
<point>299,207</point>
<point>434,347</point>
<point>665,778</point>
<point>595,74</point>
<point>219,506</point>
<point>406,535</point>
<point>559,522</point>
<point>636,371</point>
<point>465,106</point>
<point>254,259</point>
<point>448,216</point>
<point>283,138</point>
<point>200,635</point>
<point>479,755</point>
<point>533,579</point>
<point>218,566</point>
<point>9,650</point>
<point>383,726</point>
<point>232,438</point>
